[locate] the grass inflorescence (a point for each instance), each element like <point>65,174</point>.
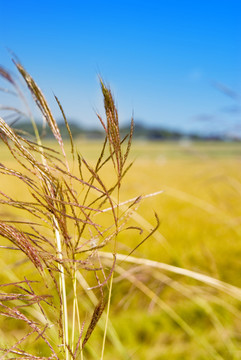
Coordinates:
<point>59,229</point>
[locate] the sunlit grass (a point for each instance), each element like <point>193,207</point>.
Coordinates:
<point>100,262</point>
<point>200,231</point>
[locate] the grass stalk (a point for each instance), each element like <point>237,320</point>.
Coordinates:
<point>111,332</point>
<point>63,289</point>
<point>227,288</point>
<point>75,313</point>
<point>107,317</point>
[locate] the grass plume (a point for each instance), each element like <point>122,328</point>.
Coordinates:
<point>62,224</point>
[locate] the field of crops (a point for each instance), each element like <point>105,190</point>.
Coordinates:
<point>166,313</point>
<point>200,230</point>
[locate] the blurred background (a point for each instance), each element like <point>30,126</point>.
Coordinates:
<point>174,64</point>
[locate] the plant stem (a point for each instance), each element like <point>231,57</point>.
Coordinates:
<point>112,275</point>
<point>75,312</point>
<point>63,289</point>
<point>107,318</point>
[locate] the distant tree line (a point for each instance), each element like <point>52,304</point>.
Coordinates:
<point>140,132</point>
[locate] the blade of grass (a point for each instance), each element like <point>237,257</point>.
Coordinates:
<point>220,285</point>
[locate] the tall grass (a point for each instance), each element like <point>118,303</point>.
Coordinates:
<point>59,229</point>
<point>60,242</point>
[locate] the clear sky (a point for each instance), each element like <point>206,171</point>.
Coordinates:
<point>175,63</point>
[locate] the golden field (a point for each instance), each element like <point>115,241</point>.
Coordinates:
<point>160,314</point>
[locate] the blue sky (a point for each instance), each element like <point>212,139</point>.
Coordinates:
<point>171,62</point>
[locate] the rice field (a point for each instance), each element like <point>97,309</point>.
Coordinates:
<point>200,230</point>
<point>166,313</point>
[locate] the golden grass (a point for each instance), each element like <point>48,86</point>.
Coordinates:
<point>199,234</point>
<point>170,268</point>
